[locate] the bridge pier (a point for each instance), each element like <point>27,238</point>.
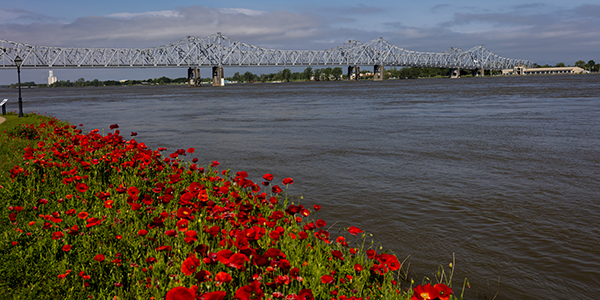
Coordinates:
<point>378,73</point>
<point>217,76</point>
<point>354,70</point>
<point>455,73</point>
<point>480,72</point>
<point>194,77</point>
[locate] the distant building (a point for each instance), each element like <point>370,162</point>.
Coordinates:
<point>522,70</point>
<point>51,78</point>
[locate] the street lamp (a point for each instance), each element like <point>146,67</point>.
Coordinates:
<point>18,62</point>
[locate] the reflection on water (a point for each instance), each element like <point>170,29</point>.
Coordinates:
<point>504,172</point>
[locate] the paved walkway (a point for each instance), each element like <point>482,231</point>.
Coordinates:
<point>2,120</point>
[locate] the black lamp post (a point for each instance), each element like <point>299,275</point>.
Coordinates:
<point>18,62</point>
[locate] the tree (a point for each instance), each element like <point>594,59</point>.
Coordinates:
<point>337,73</point>
<point>592,65</point>
<point>327,73</point>
<point>560,64</point>
<point>248,76</point>
<point>308,73</point>
<point>236,77</point>
<point>317,75</point>
<point>580,63</point>
<point>286,74</point>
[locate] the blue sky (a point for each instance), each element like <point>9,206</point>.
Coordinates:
<point>546,32</point>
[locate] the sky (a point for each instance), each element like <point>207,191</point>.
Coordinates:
<point>547,32</point>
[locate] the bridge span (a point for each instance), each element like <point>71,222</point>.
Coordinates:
<point>218,51</point>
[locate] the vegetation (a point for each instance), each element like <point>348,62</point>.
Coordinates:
<point>91,216</point>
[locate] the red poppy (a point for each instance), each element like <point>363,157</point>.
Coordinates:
<point>57,235</point>
<point>142,232</point>
<point>320,223</point>
<point>133,191</point>
<point>99,257</point>
<point>354,230</point>
<point>113,126</point>
<point>425,292</point>
<point>180,293</point>
<point>238,260</point>
<point>191,150</point>
<point>358,267</point>
<point>189,265</point>
<point>276,189</point>
<point>268,177</point>
<point>214,164</point>
<point>443,290</point>
<point>222,277</point>
<point>306,294</point>
<point>202,276</point>
<point>81,187</point>
<point>133,133</point>
<point>288,181</point>
<point>337,254</point>
<point>371,253</point>
<point>92,222</point>
<point>327,279</point>
<point>249,292</point>
<point>216,295</point>
<point>66,248</point>
<point>317,207</point>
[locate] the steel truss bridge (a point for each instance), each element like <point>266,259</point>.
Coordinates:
<point>220,51</point>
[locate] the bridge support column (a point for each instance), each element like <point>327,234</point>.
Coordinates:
<point>194,77</point>
<point>217,76</point>
<point>480,72</point>
<point>378,73</point>
<point>455,73</point>
<point>353,71</point>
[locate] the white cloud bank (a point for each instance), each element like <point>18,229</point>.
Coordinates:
<point>545,36</point>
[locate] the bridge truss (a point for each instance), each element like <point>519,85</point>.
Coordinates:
<point>219,50</point>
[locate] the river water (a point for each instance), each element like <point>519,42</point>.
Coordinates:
<point>504,172</point>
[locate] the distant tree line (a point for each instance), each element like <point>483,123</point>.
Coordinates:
<point>590,65</point>
<point>286,75</point>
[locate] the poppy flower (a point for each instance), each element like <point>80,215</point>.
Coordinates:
<point>287,181</point>
<point>354,230</point>
<point>238,260</point>
<point>276,189</point>
<point>133,191</point>
<point>57,235</point>
<point>114,126</point>
<point>317,207</point>
<point>66,248</point>
<point>189,265</point>
<point>320,223</point>
<point>268,177</point>
<point>180,293</point>
<point>358,267</point>
<point>425,292</point>
<point>216,295</point>
<point>92,222</point>
<point>214,164</point>
<point>133,133</point>
<point>248,292</point>
<point>222,277</point>
<point>443,290</point>
<point>99,258</point>
<point>202,276</point>
<point>191,150</point>
<point>327,279</point>
<point>306,294</point>
<point>81,187</point>
<point>83,215</point>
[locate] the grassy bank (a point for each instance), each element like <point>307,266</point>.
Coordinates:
<point>90,216</point>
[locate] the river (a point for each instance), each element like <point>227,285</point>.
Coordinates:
<point>502,171</point>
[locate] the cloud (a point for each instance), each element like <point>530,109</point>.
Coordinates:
<point>534,31</point>
<point>440,7</point>
<point>163,13</point>
<point>8,16</point>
